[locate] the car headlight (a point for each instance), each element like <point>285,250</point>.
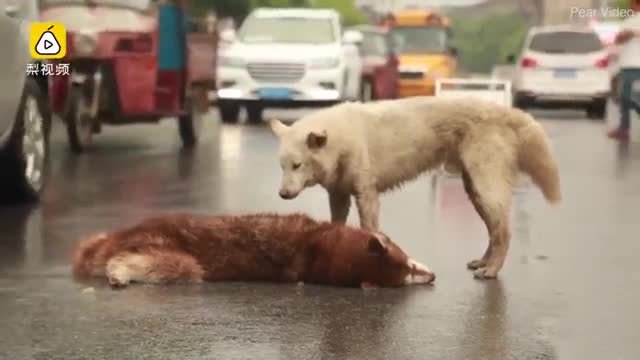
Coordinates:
<point>85,44</point>
<point>324,63</point>
<point>231,61</point>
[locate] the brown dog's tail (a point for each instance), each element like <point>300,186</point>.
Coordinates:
<point>86,258</point>
<point>535,159</point>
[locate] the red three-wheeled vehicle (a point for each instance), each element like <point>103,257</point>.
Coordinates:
<point>131,61</point>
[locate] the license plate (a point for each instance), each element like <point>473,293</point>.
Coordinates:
<point>564,73</point>
<point>275,93</point>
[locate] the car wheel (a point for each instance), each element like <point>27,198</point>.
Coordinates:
<point>24,160</point>
<point>254,113</point>
<point>80,127</point>
<point>229,111</point>
<point>367,93</point>
<point>190,124</point>
<point>521,102</point>
<point>597,110</point>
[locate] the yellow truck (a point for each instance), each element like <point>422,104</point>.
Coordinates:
<point>422,42</point>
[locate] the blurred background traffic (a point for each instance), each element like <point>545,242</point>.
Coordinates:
<point>142,61</point>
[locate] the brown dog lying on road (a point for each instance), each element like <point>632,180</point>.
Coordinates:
<point>263,247</point>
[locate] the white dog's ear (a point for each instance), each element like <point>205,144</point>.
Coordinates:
<point>317,140</point>
<point>278,127</point>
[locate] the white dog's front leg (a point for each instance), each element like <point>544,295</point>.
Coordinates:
<point>339,203</point>
<point>368,207</point>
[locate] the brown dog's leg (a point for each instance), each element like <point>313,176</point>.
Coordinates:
<point>152,266</point>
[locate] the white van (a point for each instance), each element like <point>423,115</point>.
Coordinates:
<point>287,58</point>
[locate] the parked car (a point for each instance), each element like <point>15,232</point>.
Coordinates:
<point>379,64</point>
<point>563,66</point>
<point>25,120</point>
<point>287,58</point>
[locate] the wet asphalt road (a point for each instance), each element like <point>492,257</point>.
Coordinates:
<point>569,289</point>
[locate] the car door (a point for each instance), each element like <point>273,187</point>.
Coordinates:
<point>14,39</point>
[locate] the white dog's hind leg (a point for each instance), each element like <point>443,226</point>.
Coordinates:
<point>488,181</point>
<point>339,203</point>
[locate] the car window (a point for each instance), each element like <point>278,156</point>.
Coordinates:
<point>566,42</point>
<point>420,39</point>
<point>287,30</point>
<point>374,45</point>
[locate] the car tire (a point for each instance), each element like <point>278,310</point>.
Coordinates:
<point>79,128</point>
<point>254,113</point>
<point>521,102</point>
<point>229,111</point>
<point>367,92</point>
<point>597,110</point>
<point>24,159</point>
<point>189,125</point>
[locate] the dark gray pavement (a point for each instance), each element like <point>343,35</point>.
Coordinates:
<point>570,288</point>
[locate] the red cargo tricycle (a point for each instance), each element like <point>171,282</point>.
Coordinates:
<point>130,61</point>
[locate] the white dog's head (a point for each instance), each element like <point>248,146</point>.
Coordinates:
<point>304,158</point>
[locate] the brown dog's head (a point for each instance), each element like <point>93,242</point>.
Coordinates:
<point>355,257</point>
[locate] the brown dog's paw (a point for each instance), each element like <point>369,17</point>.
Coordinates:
<point>476,264</point>
<point>485,273</point>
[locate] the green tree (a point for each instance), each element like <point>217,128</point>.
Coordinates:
<point>350,13</point>
<point>279,3</point>
<point>237,9</point>
<point>486,41</point>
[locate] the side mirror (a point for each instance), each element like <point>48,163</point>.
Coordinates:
<point>228,35</point>
<point>352,37</point>
<point>453,51</point>
<point>511,59</point>
<point>11,10</point>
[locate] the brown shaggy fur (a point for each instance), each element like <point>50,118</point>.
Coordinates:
<point>263,247</point>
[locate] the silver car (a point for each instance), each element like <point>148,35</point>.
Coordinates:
<point>24,113</point>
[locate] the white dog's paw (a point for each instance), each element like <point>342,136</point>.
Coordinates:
<point>476,264</point>
<point>484,273</point>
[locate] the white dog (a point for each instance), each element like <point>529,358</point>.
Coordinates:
<point>366,149</point>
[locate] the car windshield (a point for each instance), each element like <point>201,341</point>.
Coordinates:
<point>374,45</point>
<point>287,30</point>
<point>566,42</point>
<point>133,4</point>
<point>422,40</point>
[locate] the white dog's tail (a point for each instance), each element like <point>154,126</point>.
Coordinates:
<point>535,159</point>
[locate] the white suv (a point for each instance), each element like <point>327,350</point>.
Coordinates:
<point>287,58</point>
<point>25,118</point>
<point>563,65</point>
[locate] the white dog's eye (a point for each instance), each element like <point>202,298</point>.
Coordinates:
<point>296,166</point>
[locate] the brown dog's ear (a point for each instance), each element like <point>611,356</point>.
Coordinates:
<point>317,140</point>
<point>376,245</point>
<point>278,127</point>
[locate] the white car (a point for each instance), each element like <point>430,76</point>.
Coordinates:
<point>287,58</point>
<point>563,66</point>
<point>25,119</point>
